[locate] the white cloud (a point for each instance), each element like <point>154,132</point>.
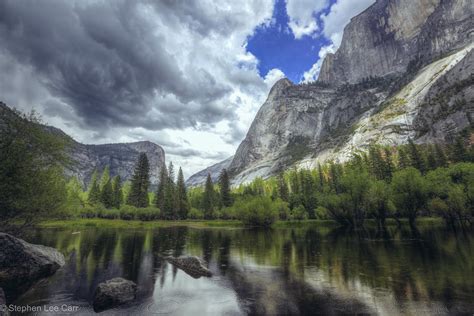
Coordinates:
<point>205,104</point>
<point>302,16</point>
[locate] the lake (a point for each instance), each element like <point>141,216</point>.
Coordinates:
<point>314,269</point>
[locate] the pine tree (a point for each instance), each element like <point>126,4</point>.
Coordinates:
<point>208,198</point>
<point>182,204</point>
<point>160,191</point>
<point>376,162</point>
<point>93,196</point>
<point>388,165</point>
<point>442,160</point>
<point>282,188</point>
<point>105,177</point>
<point>321,177</point>
<point>459,152</point>
<point>416,157</point>
<point>169,202</point>
<point>431,160</point>
<point>117,192</point>
<point>138,196</point>
<point>106,194</point>
<point>224,186</point>
<point>403,159</point>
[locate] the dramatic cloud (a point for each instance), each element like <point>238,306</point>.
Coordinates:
<point>103,70</point>
<point>302,15</point>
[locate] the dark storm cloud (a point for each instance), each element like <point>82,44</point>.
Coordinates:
<point>109,64</point>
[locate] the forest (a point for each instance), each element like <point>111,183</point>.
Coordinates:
<point>401,183</point>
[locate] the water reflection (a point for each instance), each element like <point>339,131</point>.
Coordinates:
<point>311,270</point>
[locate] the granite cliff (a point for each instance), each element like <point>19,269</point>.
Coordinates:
<point>120,157</point>
<point>404,70</point>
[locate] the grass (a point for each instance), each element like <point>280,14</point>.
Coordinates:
<point>122,224</point>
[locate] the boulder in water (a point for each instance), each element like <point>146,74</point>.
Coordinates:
<point>113,293</point>
<point>191,265</point>
<point>22,264</point>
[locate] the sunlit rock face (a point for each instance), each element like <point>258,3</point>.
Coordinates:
<point>387,36</point>
<point>403,70</point>
<point>120,157</point>
<point>199,178</point>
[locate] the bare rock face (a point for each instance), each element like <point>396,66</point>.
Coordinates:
<point>193,266</point>
<point>403,70</point>
<point>199,178</point>
<point>113,293</point>
<point>22,264</point>
<point>390,34</point>
<point>120,157</point>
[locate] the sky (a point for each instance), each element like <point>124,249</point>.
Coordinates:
<point>188,75</point>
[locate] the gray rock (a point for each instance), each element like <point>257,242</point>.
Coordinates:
<point>193,266</point>
<point>3,303</point>
<point>419,55</point>
<point>199,178</point>
<point>22,264</point>
<point>388,35</point>
<point>120,157</point>
<point>113,293</point>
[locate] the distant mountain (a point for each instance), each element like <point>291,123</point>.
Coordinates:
<point>404,70</point>
<point>214,170</point>
<point>120,157</point>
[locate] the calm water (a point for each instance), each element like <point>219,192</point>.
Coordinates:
<point>315,270</point>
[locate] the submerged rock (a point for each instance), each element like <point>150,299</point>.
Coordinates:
<point>191,265</point>
<point>113,293</point>
<point>22,264</point>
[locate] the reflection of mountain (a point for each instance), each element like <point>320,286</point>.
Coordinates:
<point>279,271</point>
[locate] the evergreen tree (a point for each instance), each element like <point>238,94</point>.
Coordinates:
<point>169,202</point>
<point>442,160</point>
<point>224,186</point>
<point>321,177</point>
<point>416,157</point>
<point>388,165</point>
<point>182,204</point>
<point>93,196</point>
<point>459,152</point>
<point>282,188</point>
<point>376,162</point>
<point>105,177</point>
<point>334,173</point>
<point>160,191</point>
<point>208,198</point>
<point>117,192</point>
<point>107,195</point>
<point>431,160</point>
<point>403,159</point>
<point>138,196</point>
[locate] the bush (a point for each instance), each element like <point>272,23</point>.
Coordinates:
<point>194,213</point>
<point>298,213</point>
<point>321,213</point>
<point>258,211</point>
<point>128,212</point>
<point>91,211</point>
<point>148,213</point>
<point>109,213</point>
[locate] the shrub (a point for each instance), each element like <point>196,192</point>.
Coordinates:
<point>258,211</point>
<point>299,213</point>
<point>108,213</point>
<point>194,213</point>
<point>91,211</point>
<point>321,212</point>
<point>148,213</point>
<point>128,212</point>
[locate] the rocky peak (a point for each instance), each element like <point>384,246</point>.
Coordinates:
<point>390,34</point>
